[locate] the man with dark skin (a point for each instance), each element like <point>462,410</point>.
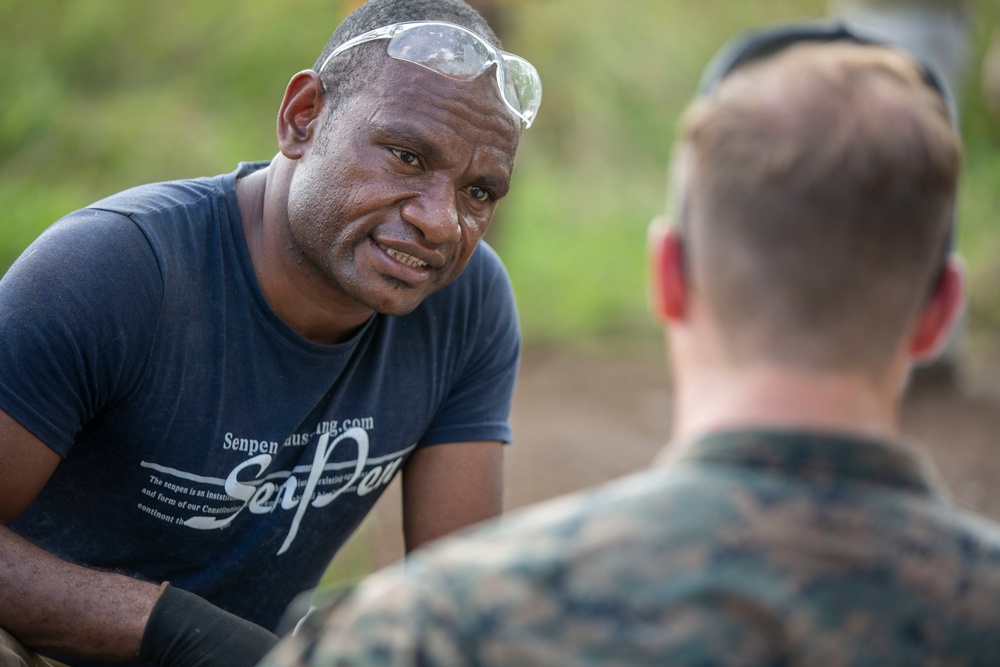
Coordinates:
<point>349,248</point>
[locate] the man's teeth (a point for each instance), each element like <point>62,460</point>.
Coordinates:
<point>409,260</point>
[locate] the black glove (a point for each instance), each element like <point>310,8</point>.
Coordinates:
<point>185,630</point>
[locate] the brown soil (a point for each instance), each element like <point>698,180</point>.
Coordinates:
<point>581,420</point>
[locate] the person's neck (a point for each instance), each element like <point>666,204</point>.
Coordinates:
<point>770,396</point>
<point>299,297</point>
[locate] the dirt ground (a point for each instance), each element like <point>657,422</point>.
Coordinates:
<point>580,420</point>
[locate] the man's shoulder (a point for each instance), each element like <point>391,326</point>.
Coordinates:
<point>691,515</point>
<point>605,526</point>
<point>182,221</point>
<point>574,575</point>
<point>129,240</point>
<point>132,229</point>
<point>561,575</point>
<point>151,198</point>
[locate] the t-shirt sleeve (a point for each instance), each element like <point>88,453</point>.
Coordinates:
<point>76,312</point>
<point>478,403</point>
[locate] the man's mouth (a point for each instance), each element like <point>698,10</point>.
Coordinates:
<point>402,257</point>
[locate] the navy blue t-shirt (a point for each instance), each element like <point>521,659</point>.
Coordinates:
<point>204,441</point>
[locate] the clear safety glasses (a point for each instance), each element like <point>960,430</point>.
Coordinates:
<point>461,54</point>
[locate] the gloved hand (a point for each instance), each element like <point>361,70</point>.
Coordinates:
<point>185,630</point>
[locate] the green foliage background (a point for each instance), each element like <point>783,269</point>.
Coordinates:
<point>99,95</point>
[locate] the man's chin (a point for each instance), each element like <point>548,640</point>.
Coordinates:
<point>395,297</point>
<point>397,311</point>
<point>401,303</point>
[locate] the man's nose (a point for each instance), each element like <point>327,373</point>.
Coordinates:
<point>434,212</point>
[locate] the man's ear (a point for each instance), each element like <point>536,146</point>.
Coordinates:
<point>668,289</point>
<point>939,312</point>
<point>300,108</point>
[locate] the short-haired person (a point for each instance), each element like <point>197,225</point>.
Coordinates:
<point>789,522</point>
<point>206,384</point>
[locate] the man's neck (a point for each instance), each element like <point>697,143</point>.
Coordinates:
<point>298,296</point>
<point>775,397</point>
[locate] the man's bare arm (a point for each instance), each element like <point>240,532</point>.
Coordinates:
<point>48,604</point>
<point>52,606</point>
<point>448,487</point>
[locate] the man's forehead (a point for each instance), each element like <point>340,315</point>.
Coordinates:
<point>430,106</point>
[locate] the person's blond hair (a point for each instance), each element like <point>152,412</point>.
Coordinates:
<point>818,189</point>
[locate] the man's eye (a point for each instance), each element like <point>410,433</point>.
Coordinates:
<point>406,157</point>
<point>480,193</point>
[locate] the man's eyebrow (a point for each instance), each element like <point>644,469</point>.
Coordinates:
<point>497,186</point>
<point>408,136</point>
<point>416,140</point>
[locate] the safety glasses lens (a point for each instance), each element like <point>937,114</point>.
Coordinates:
<point>462,55</point>
<point>447,51</point>
<point>523,79</point>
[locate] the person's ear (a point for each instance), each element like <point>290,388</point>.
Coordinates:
<point>668,290</point>
<point>940,312</point>
<point>298,114</point>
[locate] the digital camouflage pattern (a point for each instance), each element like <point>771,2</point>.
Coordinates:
<point>746,548</point>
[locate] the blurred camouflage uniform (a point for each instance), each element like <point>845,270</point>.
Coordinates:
<point>750,548</point>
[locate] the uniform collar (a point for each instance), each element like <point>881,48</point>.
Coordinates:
<point>817,457</point>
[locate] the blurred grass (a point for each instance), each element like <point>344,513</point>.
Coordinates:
<point>100,95</point>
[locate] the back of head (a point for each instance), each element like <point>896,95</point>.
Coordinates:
<point>350,71</point>
<point>818,187</point>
